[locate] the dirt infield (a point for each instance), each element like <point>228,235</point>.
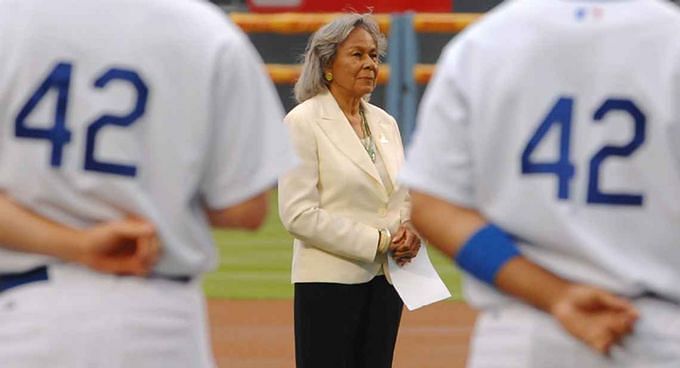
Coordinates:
<point>259,334</point>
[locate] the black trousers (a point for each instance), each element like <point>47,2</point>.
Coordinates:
<point>346,326</point>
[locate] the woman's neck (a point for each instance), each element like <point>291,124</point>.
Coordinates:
<point>349,105</point>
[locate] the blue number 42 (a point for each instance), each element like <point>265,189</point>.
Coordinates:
<point>59,135</point>
<point>561,115</point>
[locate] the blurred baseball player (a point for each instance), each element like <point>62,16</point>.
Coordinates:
<point>112,110</point>
<point>546,162</point>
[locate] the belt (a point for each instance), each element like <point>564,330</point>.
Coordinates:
<point>654,295</point>
<point>175,278</point>
<point>12,280</point>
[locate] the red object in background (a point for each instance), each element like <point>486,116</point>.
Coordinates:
<point>377,6</point>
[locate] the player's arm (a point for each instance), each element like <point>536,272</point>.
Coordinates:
<point>248,145</point>
<point>596,317</point>
<point>126,246</point>
<point>247,215</point>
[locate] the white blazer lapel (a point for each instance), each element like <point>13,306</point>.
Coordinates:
<point>338,130</point>
<point>384,141</point>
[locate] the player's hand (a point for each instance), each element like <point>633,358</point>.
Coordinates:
<point>405,244</point>
<point>596,317</point>
<point>124,247</point>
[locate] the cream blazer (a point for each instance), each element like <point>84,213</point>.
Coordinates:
<point>334,202</point>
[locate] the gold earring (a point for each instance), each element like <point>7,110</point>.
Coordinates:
<point>329,76</point>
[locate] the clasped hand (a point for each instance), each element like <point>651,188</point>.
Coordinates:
<point>596,317</point>
<point>405,244</point>
<point>123,247</point>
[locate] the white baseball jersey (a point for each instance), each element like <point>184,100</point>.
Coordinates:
<point>156,108</point>
<point>560,122</point>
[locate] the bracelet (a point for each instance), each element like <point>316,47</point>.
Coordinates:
<point>384,240</point>
<point>486,252</point>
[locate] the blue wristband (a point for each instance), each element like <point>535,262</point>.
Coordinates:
<point>486,252</point>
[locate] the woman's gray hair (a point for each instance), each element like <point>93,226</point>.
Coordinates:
<point>322,47</point>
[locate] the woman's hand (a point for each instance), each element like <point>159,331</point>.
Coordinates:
<point>405,244</point>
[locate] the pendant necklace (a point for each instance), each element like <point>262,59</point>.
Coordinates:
<point>367,141</point>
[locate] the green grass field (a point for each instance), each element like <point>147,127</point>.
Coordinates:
<point>257,265</point>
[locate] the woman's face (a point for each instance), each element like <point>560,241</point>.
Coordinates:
<point>355,67</point>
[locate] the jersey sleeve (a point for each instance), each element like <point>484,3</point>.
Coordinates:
<point>673,137</point>
<point>250,145</point>
<point>439,160</point>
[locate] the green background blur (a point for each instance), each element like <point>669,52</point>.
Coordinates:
<point>256,265</point>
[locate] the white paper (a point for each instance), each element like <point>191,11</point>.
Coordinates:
<point>417,283</point>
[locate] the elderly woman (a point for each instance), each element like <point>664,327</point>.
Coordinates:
<point>342,203</point>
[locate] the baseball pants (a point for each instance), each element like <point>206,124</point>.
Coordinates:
<point>519,336</point>
<point>82,319</point>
